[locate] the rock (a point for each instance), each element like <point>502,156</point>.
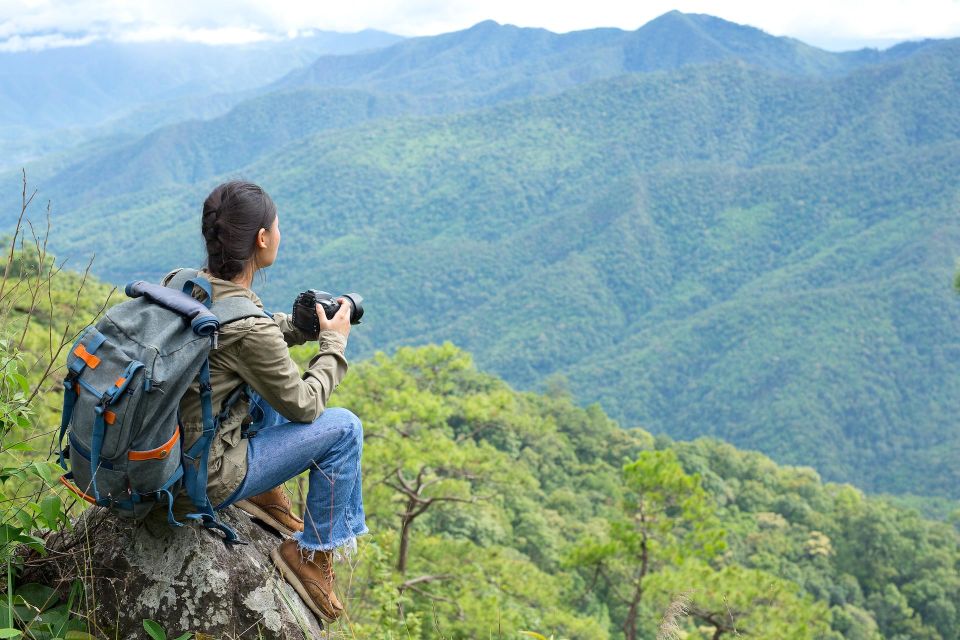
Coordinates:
<point>185,578</point>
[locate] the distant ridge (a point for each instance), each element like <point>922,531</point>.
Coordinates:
<point>60,97</point>
<point>83,85</point>
<point>494,59</point>
<point>485,65</point>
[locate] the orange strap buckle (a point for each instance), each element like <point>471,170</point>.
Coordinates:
<point>91,360</point>
<point>159,453</point>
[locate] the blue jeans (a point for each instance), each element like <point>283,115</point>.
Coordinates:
<point>330,447</point>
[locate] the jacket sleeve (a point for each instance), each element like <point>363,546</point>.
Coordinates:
<point>291,334</point>
<point>265,364</point>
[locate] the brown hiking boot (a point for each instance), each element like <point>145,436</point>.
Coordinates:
<point>311,574</point>
<point>274,509</point>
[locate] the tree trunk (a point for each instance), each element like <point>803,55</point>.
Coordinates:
<point>404,545</point>
<point>185,578</point>
<point>630,624</point>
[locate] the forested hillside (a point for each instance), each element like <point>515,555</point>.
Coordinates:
<point>715,249</point>
<point>547,532</point>
<point>535,511</point>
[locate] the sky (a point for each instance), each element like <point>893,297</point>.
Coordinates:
<point>831,24</point>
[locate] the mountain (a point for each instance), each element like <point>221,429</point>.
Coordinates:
<point>483,66</point>
<point>711,249</point>
<point>491,62</point>
<point>55,95</point>
<point>85,85</point>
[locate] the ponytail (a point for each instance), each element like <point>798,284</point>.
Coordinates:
<point>233,215</point>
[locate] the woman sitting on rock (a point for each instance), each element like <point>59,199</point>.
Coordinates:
<point>296,432</point>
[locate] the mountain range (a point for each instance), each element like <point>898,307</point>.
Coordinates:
<point>55,98</point>
<point>706,229</point>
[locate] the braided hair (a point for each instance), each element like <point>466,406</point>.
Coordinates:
<point>233,215</point>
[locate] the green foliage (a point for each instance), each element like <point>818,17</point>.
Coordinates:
<point>40,307</point>
<point>667,518</point>
<point>555,536</point>
<point>735,600</point>
<point>545,488</point>
<point>714,249</point>
<point>156,632</point>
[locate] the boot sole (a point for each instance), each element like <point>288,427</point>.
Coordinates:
<point>263,516</point>
<point>291,577</point>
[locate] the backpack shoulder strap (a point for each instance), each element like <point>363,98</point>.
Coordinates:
<point>235,308</point>
<point>228,309</point>
<point>181,276</point>
<point>185,279</point>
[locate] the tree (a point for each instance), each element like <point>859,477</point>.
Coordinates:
<point>738,602</point>
<point>666,518</point>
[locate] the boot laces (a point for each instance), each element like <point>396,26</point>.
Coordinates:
<point>325,563</point>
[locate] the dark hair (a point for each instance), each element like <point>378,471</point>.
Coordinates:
<point>233,215</point>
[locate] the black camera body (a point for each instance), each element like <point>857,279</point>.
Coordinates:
<point>305,309</point>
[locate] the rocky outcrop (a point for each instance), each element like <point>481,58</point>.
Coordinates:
<point>185,578</point>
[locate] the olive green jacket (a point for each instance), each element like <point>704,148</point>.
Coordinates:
<point>254,351</point>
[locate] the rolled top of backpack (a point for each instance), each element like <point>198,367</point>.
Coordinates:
<point>202,320</point>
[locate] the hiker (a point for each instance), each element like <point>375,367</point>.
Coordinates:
<point>282,427</point>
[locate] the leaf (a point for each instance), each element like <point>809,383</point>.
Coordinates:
<point>9,534</point>
<point>38,596</point>
<point>78,635</point>
<point>10,633</point>
<point>185,636</point>
<point>51,509</point>
<point>21,380</point>
<point>155,630</point>
<point>533,634</point>
<point>37,544</point>
<point>57,618</point>
<point>26,519</point>
<point>43,470</point>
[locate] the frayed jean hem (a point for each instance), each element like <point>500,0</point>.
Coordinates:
<point>342,550</point>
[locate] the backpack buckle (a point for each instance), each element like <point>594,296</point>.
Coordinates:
<point>245,427</point>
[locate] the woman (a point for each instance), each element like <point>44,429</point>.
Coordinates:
<point>242,233</point>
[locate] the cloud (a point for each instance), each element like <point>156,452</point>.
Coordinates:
<point>26,24</point>
<point>47,41</point>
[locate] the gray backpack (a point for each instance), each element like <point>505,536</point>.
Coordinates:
<point>125,378</point>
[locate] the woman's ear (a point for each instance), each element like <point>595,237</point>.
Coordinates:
<point>262,238</point>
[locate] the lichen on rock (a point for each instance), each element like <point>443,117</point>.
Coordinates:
<point>184,578</point>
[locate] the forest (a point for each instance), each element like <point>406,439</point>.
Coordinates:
<point>499,512</point>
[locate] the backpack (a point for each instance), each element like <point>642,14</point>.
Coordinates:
<point>125,377</point>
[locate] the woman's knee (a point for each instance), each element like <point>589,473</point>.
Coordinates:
<point>348,420</point>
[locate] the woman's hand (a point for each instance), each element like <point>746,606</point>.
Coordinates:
<point>340,322</point>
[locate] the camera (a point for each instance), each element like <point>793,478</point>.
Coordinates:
<point>305,309</point>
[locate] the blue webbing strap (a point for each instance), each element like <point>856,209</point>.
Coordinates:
<point>204,284</point>
<point>96,445</point>
<point>97,341</point>
<point>166,489</point>
<point>89,387</point>
<point>100,427</point>
<point>195,463</point>
<point>69,401</point>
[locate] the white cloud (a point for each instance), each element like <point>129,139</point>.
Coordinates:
<point>33,43</point>
<point>830,23</point>
<point>225,35</point>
